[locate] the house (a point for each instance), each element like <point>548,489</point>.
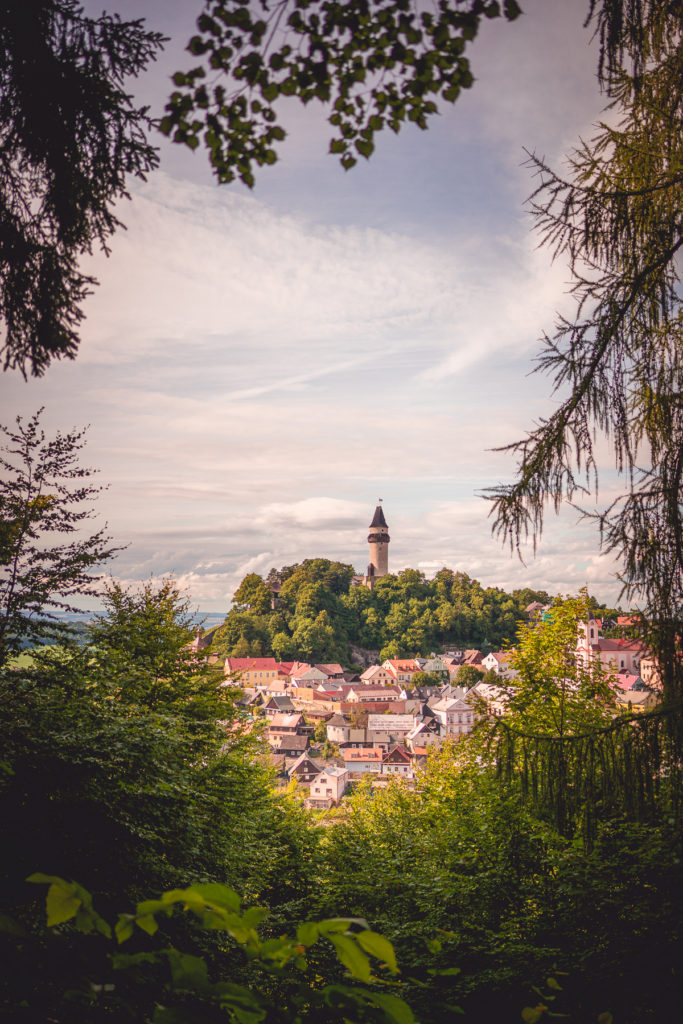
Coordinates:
<point>304,769</point>
<point>398,763</point>
<point>251,671</point>
<point>341,731</point>
<point>423,735</point>
<point>435,666</point>
<point>279,705</point>
<point>455,716</point>
<point>362,761</point>
<point>499,662</point>
<point>614,655</point>
<point>373,694</point>
<point>310,678</point>
<point>332,671</point>
<point>494,697</point>
<point>402,670</point>
<point>328,788</point>
<point>284,723</point>
<point>472,657</point>
<point>289,744</point>
<point>377,675</point>
<point>292,669</point>
<point>636,700</point>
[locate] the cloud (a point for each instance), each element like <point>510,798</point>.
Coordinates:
<point>257,370</point>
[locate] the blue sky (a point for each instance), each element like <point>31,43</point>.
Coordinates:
<point>257,368</point>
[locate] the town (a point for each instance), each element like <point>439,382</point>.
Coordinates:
<point>325,727</point>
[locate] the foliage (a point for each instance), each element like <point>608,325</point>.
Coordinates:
<point>468,675</point>
<point>318,614</point>
<point>617,363</point>
<point>43,491</point>
<point>141,641</point>
<point>481,898</point>
<point>70,135</point>
<point>553,691</point>
<point>375,64</point>
<point>184,991</point>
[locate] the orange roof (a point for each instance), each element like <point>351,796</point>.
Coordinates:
<point>369,754</point>
<point>251,664</point>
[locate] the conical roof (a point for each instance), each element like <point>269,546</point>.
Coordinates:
<point>378,518</point>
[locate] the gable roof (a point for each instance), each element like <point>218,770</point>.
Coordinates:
<point>284,721</point>
<point>331,669</point>
<point>306,763</point>
<point>291,741</point>
<point>396,755</point>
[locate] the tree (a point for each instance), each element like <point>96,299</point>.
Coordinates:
<point>43,491</point>
<point>554,692</point>
<point>374,64</point>
<point>141,642</point>
<point>70,135</point>
<point>618,362</point>
<point>252,595</point>
<point>468,675</point>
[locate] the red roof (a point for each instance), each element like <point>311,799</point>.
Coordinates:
<point>251,664</point>
<point>292,668</point>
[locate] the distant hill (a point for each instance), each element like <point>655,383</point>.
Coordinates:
<point>312,612</point>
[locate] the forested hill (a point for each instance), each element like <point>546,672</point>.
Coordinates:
<point>312,612</point>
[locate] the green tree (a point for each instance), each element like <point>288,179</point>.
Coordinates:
<point>141,642</point>
<point>375,64</point>
<point>468,675</point>
<point>554,691</point>
<point>252,595</point>
<point>618,361</point>
<point>45,495</point>
<point>70,135</point>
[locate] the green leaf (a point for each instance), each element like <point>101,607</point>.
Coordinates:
<point>147,923</point>
<point>334,924</point>
<point>365,147</point>
<point>532,1014</point>
<point>188,972</point>
<point>62,903</point>
<point>352,956</point>
<point>552,983</point>
<point>219,894</point>
<point>307,933</point>
<point>378,947</point>
<point>392,1006</point>
<point>124,927</point>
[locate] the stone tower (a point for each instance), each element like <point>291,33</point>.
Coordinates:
<point>378,539</point>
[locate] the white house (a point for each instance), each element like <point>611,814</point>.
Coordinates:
<point>455,716</point>
<point>328,788</point>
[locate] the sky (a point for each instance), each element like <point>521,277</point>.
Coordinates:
<point>258,368</point>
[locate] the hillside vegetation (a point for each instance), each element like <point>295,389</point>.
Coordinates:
<point>312,612</point>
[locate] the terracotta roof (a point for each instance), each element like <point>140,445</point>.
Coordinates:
<point>251,664</point>
<point>374,754</point>
<point>284,721</point>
